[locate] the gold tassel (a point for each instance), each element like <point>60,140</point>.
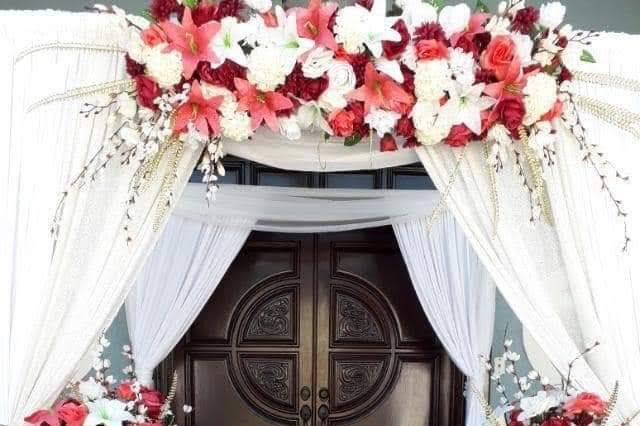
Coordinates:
<point>81,92</point>
<point>493,190</point>
<point>170,395</point>
<point>607,80</point>
<point>169,180</point>
<point>488,411</point>
<point>536,174</point>
<point>68,46</point>
<point>611,404</point>
<point>612,114</point>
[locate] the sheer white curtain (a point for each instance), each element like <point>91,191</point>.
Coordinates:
<point>568,284</point>
<point>53,307</point>
<point>176,282</point>
<point>456,294</point>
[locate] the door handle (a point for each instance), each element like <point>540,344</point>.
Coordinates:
<point>323,413</point>
<point>305,414</point>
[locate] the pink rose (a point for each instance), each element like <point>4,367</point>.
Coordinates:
<point>500,53</point>
<point>153,35</point>
<point>72,412</point>
<point>341,122</point>
<point>431,49</point>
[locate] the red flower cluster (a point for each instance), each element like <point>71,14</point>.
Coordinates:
<point>525,20</point>
<point>393,49</point>
<point>299,86</point>
<point>162,9</point>
<point>224,75</point>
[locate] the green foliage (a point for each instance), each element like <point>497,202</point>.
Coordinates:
<point>438,4</point>
<point>352,140</point>
<point>587,57</point>
<point>191,4</point>
<point>481,6</point>
<point>146,14</point>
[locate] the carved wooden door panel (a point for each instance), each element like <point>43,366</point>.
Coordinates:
<point>316,330</point>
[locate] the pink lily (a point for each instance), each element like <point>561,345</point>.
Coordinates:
<point>262,106</point>
<point>380,91</point>
<point>202,112</point>
<point>313,22</point>
<point>512,84</point>
<point>191,41</point>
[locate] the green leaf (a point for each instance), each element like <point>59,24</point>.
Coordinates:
<point>191,4</point>
<point>352,140</point>
<point>481,6</point>
<point>587,57</point>
<point>146,14</point>
<point>438,4</point>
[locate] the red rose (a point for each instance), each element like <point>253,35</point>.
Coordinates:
<point>224,75</point>
<point>510,112</point>
<point>460,135</point>
<point>72,412</point>
<point>431,49</point>
<point>124,391</point>
<point>308,89</point>
<point>586,402</point>
<point>388,143</point>
<point>342,122</point>
<point>393,49</point>
<point>134,69</point>
<point>148,90</point>
<point>153,400</point>
<point>404,127</point>
<point>513,418</point>
<point>556,421</point>
<point>525,19</point>
<point>500,53</point>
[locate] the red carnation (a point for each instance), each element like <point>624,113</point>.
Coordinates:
<point>556,421</point>
<point>525,19</point>
<point>147,91</point>
<point>510,112</point>
<point>308,89</point>
<point>460,135</point>
<point>223,75</point>
<point>411,142</point>
<point>393,49</point>
<point>404,127</point>
<point>429,31</point>
<point>358,62</point>
<point>388,143</point>
<point>228,8</point>
<point>134,69</point>
<point>203,13</point>
<point>162,9</point>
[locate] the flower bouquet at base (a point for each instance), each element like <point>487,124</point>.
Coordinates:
<point>102,400</point>
<point>536,402</point>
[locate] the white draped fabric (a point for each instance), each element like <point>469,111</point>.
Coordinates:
<point>53,305</point>
<point>456,294</point>
<point>570,284</point>
<point>199,244</point>
<point>177,281</point>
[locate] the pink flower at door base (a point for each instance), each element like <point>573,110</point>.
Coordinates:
<point>380,91</point>
<point>313,23</point>
<point>203,113</point>
<point>262,106</point>
<point>191,41</point>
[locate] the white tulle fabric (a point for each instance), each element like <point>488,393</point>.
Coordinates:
<point>570,284</point>
<point>178,279</point>
<point>54,305</point>
<point>457,295</point>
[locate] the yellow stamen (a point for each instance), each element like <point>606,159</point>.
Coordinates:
<point>195,108</point>
<point>512,88</point>
<point>311,28</point>
<point>191,40</point>
<point>261,97</point>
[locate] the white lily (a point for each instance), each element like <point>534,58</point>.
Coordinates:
<point>310,117</point>
<point>226,43</point>
<point>107,412</point>
<point>379,27</point>
<point>465,105</point>
<point>390,67</point>
<point>293,45</point>
<point>416,13</point>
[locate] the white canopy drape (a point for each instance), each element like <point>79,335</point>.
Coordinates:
<point>53,306</point>
<point>201,243</point>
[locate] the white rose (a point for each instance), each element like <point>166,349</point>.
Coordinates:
<point>552,14</point>
<point>165,68</point>
<point>454,19</point>
<point>91,389</point>
<point>317,63</point>
<point>261,6</point>
<point>332,100</point>
<point>266,68</point>
<point>341,76</point>
<point>289,128</point>
<point>382,121</point>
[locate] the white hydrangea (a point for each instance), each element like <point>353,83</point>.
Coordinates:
<point>351,28</point>
<point>552,14</point>
<point>229,104</point>
<point>261,6</point>
<point>165,68</point>
<point>289,128</point>
<point>236,126</point>
<point>432,79</point>
<point>431,129</point>
<point>136,48</point>
<point>540,95</point>
<point>462,66</point>
<point>381,121</point>
<point>266,68</point>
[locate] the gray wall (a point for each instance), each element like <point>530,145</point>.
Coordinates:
<point>610,15</point>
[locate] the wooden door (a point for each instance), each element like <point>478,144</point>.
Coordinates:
<point>316,330</point>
